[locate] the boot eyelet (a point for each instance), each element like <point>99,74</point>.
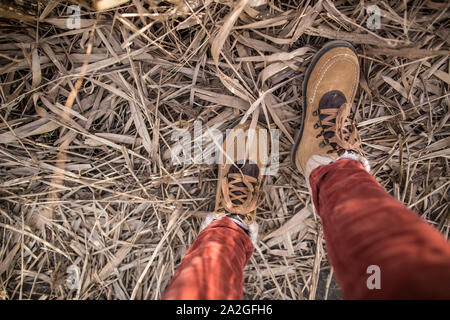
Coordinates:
<point>322,144</point>
<point>330,151</point>
<point>315,113</point>
<point>316,126</point>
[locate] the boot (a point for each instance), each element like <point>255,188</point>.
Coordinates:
<point>240,173</point>
<point>329,88</point>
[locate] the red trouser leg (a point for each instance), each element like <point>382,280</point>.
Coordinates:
<point>363,225</point>
<point>212,268</point>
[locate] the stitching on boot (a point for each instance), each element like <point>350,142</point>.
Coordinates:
<point>345,55</point>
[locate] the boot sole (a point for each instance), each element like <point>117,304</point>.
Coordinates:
<point>330,45</point>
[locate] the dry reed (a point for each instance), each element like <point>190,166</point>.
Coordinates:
<point>90,185</point>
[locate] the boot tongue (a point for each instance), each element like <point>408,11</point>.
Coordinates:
<point>331,100</point>
<point>248,169</point>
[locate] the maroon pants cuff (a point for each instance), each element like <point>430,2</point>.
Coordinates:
<point>212,268</point>
<point>367,230</point>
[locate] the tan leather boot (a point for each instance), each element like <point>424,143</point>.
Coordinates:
<point>329,88</point>
<point>240,174</point>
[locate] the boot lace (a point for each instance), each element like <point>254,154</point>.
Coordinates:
<point>343,132</point>
<point>240,196</point>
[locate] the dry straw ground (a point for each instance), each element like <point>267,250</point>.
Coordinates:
<point>86,180</point>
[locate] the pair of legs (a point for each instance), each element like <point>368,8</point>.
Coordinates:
<point>363,226</point>
<point>378,247</point>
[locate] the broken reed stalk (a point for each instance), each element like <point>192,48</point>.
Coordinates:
<point>46,213</point>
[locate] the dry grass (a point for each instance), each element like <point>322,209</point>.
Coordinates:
<point>87,180</point>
